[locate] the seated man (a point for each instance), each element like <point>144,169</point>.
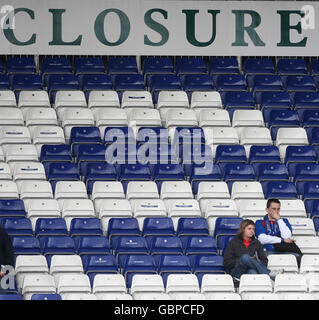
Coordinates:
<point>275,233</point>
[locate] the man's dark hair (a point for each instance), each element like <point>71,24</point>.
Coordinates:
<point>271,200</point>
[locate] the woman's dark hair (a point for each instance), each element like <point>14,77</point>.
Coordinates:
<point>271,200</point>
<point>245,223</point>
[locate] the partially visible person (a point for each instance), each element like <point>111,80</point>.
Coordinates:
<point>245,255</point>
<point>275,233</point>
<point>6,255</point>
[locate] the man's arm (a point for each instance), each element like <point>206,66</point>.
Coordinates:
<point>285,231</point>
<point>261,235</point>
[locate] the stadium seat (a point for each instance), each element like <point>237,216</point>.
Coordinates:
<point>225,65</point>
<point>254,283</point>
<point>213,118</point>
<point>265,83</point>
<point>11,116</point>
<point>37,283</point>
<point>103,98</point>
<point>40,116</point>
<point>302,83</point>
<point>28,245</point>
<point>263,153</point>
<point>88,65</point>
<point>279,189</point>
<point>249,209</point>
<point>159,226</point>
<point>28,99</point>
<point>182,284</point>
<point>232,82</point>
<point>286,262</point>
<point>77,283</point>
<point>305,100</point>
<point>155,65</point>
<point>94,81</point>
<point>50,227</point>
<point>259,66</point>
<point>136,99</point>
<point>205,99</point>
<point>202,245</point>
<point>289,284</point>
<point>122,65</point>
<point>307,244</point>
<point>91,244</point>
<point>14,134</point>
<point>176,190</point>
<point>20,152</point>
<point>273,99</point>
<point>247,190</point>
<point>95,264</point>
<point>85,227</point>
<point>145,284</point>
<point>44,296</point>
<point>17,226</point>
<point>271,171</point>
<point>20,65</point>
<point>287,66</point>
<point>56,65</point>
<point>35,190</point>
<point>123,82</point>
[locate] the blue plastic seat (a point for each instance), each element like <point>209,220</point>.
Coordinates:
<point>133,172</point>
<point>160,226</point>
<point>282,118</point>
<point>158,65</point>
<point>165,245</point>
<point>173,264</point>
<point>225,227</point>
<point>51,227</point>
<point>264,154</point>
<point>259,66</point>
<point>168,171</point>
<point>299,83</point>
<point>90,82</point>
<point>122,227</point>
<point>273,99</point>
<point>271,171</point>
<point>56,65</point>
<point>230,153</point>
<point>46,296</point>
<point>12,208</point>
<point>4,82</point>
<point>17,226</point>
<point>202,264</point>
<point>310,118</point>
<point>230,82</point>
<point>305,100</point>
<point>88,65</point>
<point>153,154</point>
<point>51,245</point>
<point>99,263</point>
<point>313,136</point>
<point>11,296</point>
<point>121,153</point>
<point>55,152</point>
<point>295,154</point>
<point>223,66</point>
<point>314,67</point>
<point>25,81</point>
<point>305,172</point>
<point>309,191</point>
<point>312,208</point>
<point>91,244</point>
<point>198,154</point>
<point>192,227</point>
<point>238,99</point>
<point>190,65</point>
<point>279,189</point>
<point>238,172</point>
<point>119,135</point>
<point>122,65</point>
<point>122,82</point>
<point>85,227</point>
<point>63,171</point>
<point>25,245</point>
<point>20,65</point>
<point>160,82</point>
<point>84,135</point>
<point>197,82</point>
<point>262,82</point>
<point>62,82</point>
<point>90,153</point>
<point>127,245</point>
<point>203,245</point>
<point>188,135</point>
<point>152,135</point>
<point>287,66</point>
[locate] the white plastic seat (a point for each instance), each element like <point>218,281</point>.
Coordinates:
<point>37,283</point>
<point>114,296</point>
<point>176,190</point>
<point>65,264</point>
<point>37,98</point>
<point>221,135</point>
<point>213,118</point>
<point>148,208</point>
<point>70,190</point>
<point>103,98</point>
<point>222,296</point>
<point>144,117</point>
<point>20,152</point>
<point>78,296</point>
<point>114,208</point>
<point>212,190</point>
<point>206,99</point>
<point>252,208</point>
<point>247,190</point>
<point>151,296</point>
<point>40,117</point>
<point>292,208</point>
<point>110,117</point>
<point>47,135</point>
<point>8,190</point>
<point>11,116</point>
<point>296,296</point>
<point>178,117</point>
<point>137,99</point>
<point>313,285</point>
<point>291,136</point>
<point>146,283</point>
<point>109,283</point>
<point>35,190</point>
<point>70,98</point>
<point>287,262</point>
<point>28,171</point>
<point>182,283</point>
<point>254,283</point>
<point>107,190</point>
<point>74,283</point>
<point>14,134</point>
<point>142,190</point>
<point>174,99</point>
<point>260,296</point>
<point>5,172</point>
<point>247,118</point>
<point>290,283</point>
<point>217,283</point>
<point>1,155</point>
<point>7,98</point>
<point>187,296</point>
<point>302,226</point>
<point>308,244</point>
<point>255,136</point>
<point>309,264</point>
<point>77,208</point>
